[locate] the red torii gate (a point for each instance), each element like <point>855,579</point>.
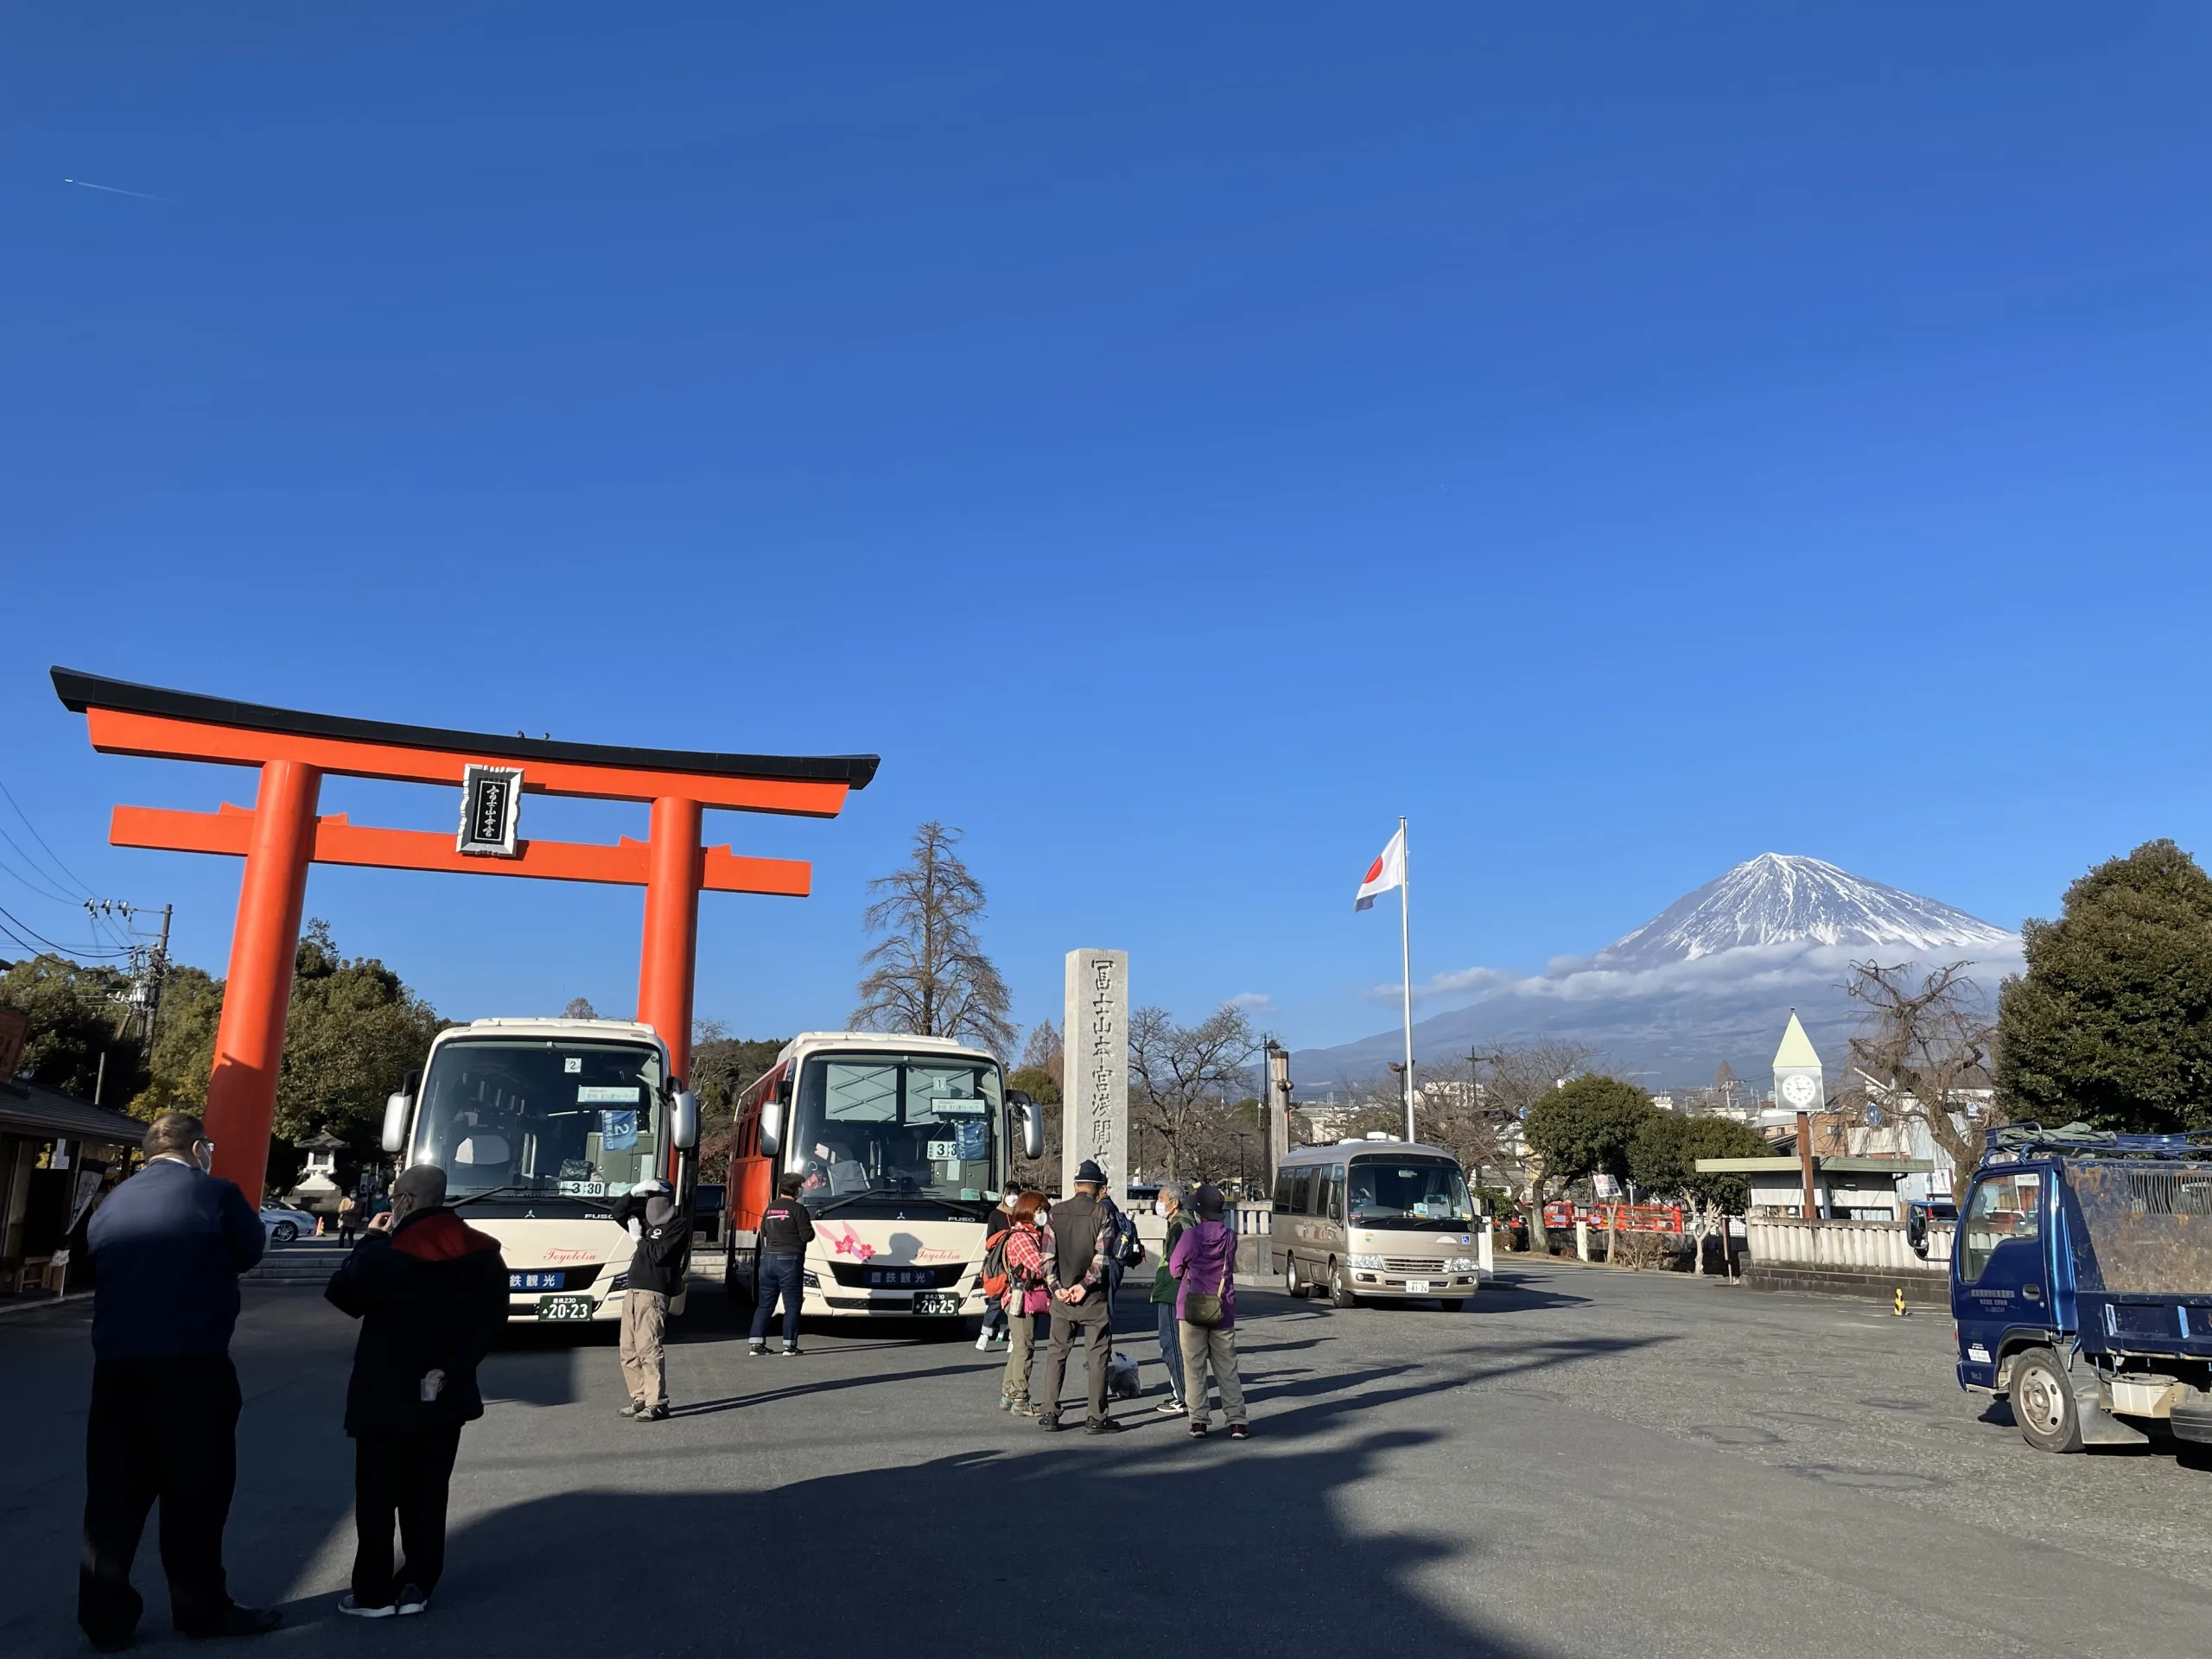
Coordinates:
<point>281,835</point>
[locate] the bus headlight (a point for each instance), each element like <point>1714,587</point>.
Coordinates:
<point>1463,1264</point>
<point>1358,1261</point>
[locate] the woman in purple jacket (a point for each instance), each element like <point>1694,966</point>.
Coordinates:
<point>1204,1263</point>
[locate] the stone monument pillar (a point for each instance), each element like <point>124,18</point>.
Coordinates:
<point>1095,1092</point>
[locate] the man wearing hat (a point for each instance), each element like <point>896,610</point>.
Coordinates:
<point>1083,1229</point>
<point>656,1267</point>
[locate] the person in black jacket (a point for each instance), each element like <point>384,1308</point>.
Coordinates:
<point>656,1266</point>
<point>787,1229</point>
<point>431,1294</point>
<point>168,1246</point>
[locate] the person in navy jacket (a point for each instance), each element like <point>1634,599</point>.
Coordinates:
<point>167,1247</point>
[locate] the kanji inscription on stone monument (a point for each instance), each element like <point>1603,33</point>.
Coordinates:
<point>1096,1113</point>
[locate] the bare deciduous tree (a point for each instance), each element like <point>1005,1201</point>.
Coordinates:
<point>1182,1078</point>
<point>1927,1037</point>
<point>928,975</point>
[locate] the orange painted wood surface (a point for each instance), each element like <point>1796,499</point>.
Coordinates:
<point>160,738</point>
<point>337,840</point>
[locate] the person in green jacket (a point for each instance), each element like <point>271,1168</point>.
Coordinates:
<point>1174,1197</point>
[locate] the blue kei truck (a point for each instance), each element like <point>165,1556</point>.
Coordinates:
<point>2081,1284</point>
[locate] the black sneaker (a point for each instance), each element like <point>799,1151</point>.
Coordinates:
<point>792,1350</point>
<point>354,1608</point>
<point>756,1349</point>
<point>413,1599</point>
<point>1240,1431</point>
<point>1049,1423</point>
<point>1198,1431</point>
<point>1102,1425</point>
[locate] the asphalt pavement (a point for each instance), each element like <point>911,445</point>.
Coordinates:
<point>1583,1461</point>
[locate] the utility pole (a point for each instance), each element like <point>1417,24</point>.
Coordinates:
<point>158,972</point>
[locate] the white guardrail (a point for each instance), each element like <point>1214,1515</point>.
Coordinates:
<point>1867,1246</point>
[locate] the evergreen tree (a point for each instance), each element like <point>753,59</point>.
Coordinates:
<point>1585,1125</point>
<point>2111,1024</point>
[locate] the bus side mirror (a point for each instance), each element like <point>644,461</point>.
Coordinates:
<point>1032,1123</point>
<point>683,1120</point>
<point>772,1126</point>
<point>395,1110</point>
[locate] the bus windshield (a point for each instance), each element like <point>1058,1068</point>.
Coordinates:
<point>1409,1193</point>
<point>538,1116</point>
<point>898,1125</point>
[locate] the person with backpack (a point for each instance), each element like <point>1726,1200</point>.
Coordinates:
<point>1027,1253</point>
<point>1204,1263</point>
<point>996,1227</point>
<point>1085,1230</point>
<point>1174,1204</point>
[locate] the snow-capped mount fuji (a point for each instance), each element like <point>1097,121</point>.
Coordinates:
<point>1786,899</point>
<point>1712,978</point>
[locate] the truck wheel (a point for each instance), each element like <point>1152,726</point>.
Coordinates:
<point>1340,1295</point>
<point>1291,1286</point>
<point>1453,1304</point>
<point>2043,1402</point>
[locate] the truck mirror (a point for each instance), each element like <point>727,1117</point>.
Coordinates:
<point>772,1126</point>
<point>683,1120</point>
<point>396,1108</point>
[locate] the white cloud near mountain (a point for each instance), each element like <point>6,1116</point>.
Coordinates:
<point>1749,967</point>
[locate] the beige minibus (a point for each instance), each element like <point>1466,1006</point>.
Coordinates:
<point>1385,1220</point>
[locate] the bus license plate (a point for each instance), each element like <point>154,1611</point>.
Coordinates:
<point>564,1307</point>
<point>1416,1287</point>
<point>937,1302</point>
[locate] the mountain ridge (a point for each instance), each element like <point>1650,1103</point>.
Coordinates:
<point>1712,978</point>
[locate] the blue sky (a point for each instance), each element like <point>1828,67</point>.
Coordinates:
<point>1624,441</point>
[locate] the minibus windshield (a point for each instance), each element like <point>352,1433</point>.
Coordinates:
<point>1408,1193</point>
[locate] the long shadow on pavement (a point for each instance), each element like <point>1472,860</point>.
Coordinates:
<point>1064,1549</point>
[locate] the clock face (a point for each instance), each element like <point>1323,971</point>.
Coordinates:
<point>1801,1091</point>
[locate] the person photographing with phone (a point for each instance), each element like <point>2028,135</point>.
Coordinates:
<point>431,1294</point>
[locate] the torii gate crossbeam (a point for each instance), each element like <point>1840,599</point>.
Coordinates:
<point>281,835</point>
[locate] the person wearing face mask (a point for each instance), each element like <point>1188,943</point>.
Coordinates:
<point>167,1247</point>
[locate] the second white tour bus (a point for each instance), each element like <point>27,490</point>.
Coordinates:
<point>902,1143</point>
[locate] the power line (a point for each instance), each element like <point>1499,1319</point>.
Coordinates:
<point>37,838</point>
<point>18,926</point>
<point>44,892</point>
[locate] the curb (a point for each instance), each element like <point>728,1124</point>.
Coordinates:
<point>18,1310</point>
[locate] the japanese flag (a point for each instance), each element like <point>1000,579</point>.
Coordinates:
<point>1386,872</point>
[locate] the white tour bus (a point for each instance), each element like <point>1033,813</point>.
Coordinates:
<point>902,1142</point>
<point>1383,1219</point>
<point>540,1125</point>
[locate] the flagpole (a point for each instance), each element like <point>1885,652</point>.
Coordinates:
<point>1406,961</point>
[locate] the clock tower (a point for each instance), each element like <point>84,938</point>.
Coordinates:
<point>1798,1084</point>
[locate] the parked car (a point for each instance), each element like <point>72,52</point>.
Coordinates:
<point>281,1223</point>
